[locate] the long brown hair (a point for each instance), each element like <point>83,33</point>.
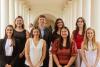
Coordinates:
<point>85,44</point>
<point>31,33</point>
<point>75,32</point>
<point>55,26</point>
<point>68,41</point>
<point>12,37</point>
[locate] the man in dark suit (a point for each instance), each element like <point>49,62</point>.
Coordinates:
<point>46,34</point>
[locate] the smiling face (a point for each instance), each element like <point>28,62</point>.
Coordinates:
<point>42,21</point>
<point>19,22</point>
<point>36,32</point>
<point>59,23</point>
<point>90,34</point>
<point>9,31</point>
<point>64,33</point>
<point>80,23</point>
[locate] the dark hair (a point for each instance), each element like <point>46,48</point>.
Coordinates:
<point>12,37</point>
<point>55,26</point>
<point>31,33</point>
<point>75,32</point>
<point>22,20</point>
<point>68,41</point>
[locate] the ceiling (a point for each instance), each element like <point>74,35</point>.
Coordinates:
<point>50,8</point>
<point>46,4</point>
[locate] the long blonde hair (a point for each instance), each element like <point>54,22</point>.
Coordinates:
<point>85,44</point>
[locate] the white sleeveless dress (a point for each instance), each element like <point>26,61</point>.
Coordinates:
<point>90,56</point>
<point>35,52</point>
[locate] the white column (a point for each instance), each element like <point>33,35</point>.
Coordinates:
<point>31,17</point>
<point>64,14</point>
<point>96,17</point>
<point>23,11</point>
<point>27,17</point>
<point>70,16</point>
<point>11,11</point>
<point>79,8</point>
<point>29,13</point>
<point>20,8</point>
<point>86,11</point>
<point>16,8</point>
<point>67,15</point>
<point>74,13</point>
<point>4,16</point>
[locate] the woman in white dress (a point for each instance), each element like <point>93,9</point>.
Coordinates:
<point>35,49</point>
<point>90,50</point>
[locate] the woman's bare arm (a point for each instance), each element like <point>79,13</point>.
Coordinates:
<point>27,47</point>
<point>83,55</point>
<point>98,54</point>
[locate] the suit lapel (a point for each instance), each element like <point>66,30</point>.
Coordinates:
<point>4,43</point>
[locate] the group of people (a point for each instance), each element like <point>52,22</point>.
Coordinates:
<point>22,48</point>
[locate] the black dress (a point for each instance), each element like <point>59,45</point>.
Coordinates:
<point>55,36</point>
<point>21,36</point>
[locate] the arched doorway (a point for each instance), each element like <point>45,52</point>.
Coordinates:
<point>50,20</point>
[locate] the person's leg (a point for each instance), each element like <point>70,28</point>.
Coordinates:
<point>72,65</point>
<point>26,65</point>
<point>50,60</point>
<point>21,62</point>
<point>16,63</point>
<point>1,65</point>
<point>46,60</point>
<point>54,64</point>
<point>78,59</point>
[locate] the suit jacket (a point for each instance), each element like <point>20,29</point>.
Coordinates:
<point>47,37</point>
<point>3,57</point>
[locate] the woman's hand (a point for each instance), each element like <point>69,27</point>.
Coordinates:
<point>31,66</point>
<point>37,65</point>
<point>88,65</point>
<point>66,66</point>
<point>59,65</point>
<point>7,65</point>
<point>93,65</point>
<point>21,55</point>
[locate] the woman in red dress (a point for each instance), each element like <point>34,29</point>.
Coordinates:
<point>78,36</point>
<point>64,51</point>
